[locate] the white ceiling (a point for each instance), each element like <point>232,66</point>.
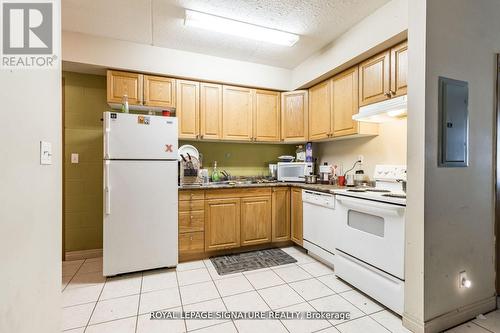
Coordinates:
<point>161,23</point>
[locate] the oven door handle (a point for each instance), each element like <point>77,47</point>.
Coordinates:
<point>370,207</point>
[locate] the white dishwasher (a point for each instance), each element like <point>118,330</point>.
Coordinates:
<point>319,224</point>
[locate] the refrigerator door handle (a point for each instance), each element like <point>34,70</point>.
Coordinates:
<point>107,129</point>
<point>107,191</point>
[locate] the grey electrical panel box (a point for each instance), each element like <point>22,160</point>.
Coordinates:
<point>453,123</point>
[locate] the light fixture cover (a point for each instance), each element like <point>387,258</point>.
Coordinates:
<point>237,28</point>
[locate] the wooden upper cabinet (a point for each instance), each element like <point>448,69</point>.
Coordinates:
<point>237,111</point>
<point>345,102</point>
<point>266,122</point>
<point>124,83</point>
<point>159,91</point>
<point>256,220</point>
<point>320,102</point>
<point>222,224</point>
<point>188,108</point>
<point>210,111</point>
<point>294,116</point>
<point>399,69</point>
<point>296,216</point>
<point>281,214</point>
<point>374,79</point>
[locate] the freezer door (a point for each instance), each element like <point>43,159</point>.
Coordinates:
<point>144,137</point>
<point>140,216</point>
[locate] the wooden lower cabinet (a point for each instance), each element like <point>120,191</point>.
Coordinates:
<point>296,216</point>
<point>280,214</point>
<point>222,224</point>
<point>255,220</point>
<point>191,243</point>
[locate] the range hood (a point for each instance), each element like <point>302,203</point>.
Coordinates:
<point>390,110</point>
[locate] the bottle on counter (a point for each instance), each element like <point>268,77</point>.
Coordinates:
<point>125,104</point>
<point>215,173</point>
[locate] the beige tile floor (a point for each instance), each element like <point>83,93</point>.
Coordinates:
<point>93,304</point>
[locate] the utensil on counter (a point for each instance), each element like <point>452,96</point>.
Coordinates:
<point>311,179</point>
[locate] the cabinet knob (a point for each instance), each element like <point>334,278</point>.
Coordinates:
<point>388,94</point>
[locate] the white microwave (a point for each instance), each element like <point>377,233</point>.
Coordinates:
<point>294,171</point>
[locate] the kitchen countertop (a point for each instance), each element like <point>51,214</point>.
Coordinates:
<point>312,187</point>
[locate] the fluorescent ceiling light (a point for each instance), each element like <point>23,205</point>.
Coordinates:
<point>237,28</point>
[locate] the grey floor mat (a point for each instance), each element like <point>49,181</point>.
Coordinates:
<point>249,261</point>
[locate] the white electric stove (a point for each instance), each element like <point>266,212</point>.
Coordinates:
<point>369,243</point>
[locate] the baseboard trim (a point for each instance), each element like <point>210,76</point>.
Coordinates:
<point>450,319</point>
<point>83,254</point>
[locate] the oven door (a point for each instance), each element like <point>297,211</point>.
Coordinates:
<point>372,232</point>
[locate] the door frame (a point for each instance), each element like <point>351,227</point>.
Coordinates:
<point>63,173</point>
<point>496,154</point>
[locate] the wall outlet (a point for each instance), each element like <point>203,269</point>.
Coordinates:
<point>45,153</point>
<point>361,158</point>
<point>74,158</point>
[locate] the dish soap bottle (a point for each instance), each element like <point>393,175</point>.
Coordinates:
<point>300,154</point>
<point>125,104</point>
<point>215,173</point>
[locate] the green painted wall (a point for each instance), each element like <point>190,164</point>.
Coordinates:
<point>85,100</point>
<point>241,159</point>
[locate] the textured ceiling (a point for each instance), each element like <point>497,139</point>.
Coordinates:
<point>161,23</point>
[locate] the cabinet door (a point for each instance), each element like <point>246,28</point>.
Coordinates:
<point>374,79</point>
<point>237,110</point>
<point>266,123</point>
<point>124,83</point>
<point>281,214</point>
<point>159,91</point>
<point>399,69</point>
<point>294,116</point>
<point>255,220</point>
<point>222,224</point>
<point>296,216</point>
<point>188,109</point>
<point>320,105</point>
<point>211,111</point>
<point>345,102</point>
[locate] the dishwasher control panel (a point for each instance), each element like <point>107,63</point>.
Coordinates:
<point>319,198</point>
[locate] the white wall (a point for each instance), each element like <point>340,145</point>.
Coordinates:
<point>458,222</point>
<point>383,28</point>
<point>389,147</point>
<point>113,53</point>
<point>30,201</point>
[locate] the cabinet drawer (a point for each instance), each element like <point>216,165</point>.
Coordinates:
<point>191,242</point>
<point>191,195</point>
<point>191,221</point>
<point>186,206</point>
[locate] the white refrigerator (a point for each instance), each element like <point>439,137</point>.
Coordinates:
<point>140,193</point>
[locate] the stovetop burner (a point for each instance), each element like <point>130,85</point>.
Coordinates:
<point>395,195</point>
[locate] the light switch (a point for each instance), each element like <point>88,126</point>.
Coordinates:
<point>45,153</point>
<point>74,158</point>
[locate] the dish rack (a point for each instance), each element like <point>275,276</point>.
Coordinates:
<point>190,170</point>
